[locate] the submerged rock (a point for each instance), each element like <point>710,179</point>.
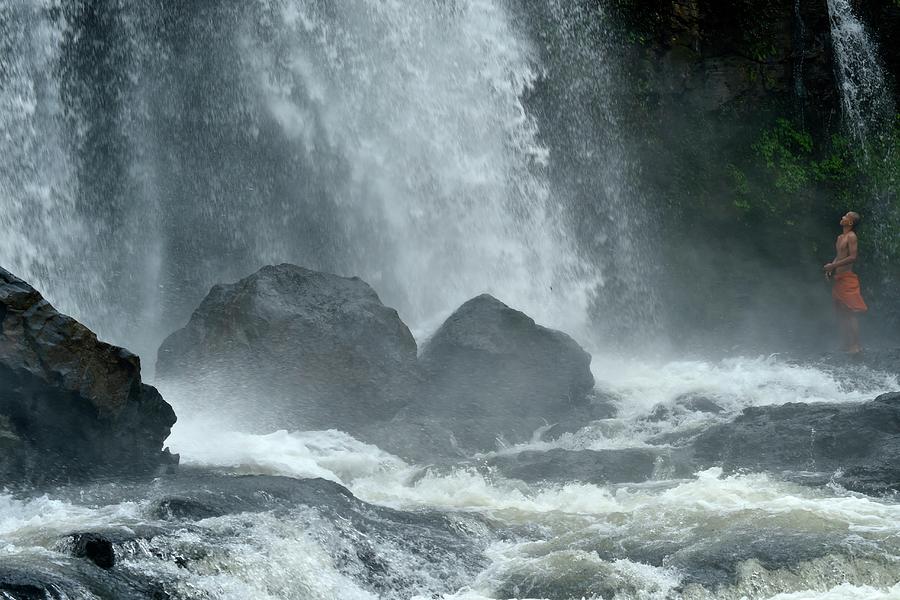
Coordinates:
<point>492,375</point>
<point>586,466</point>
<point>71,407</point>
<point>288,347</point>
<point>66,578</point>
<point>855,445</point>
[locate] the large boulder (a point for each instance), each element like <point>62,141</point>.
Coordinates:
<point>71,407</point>
<point>491,374</point>
<point>292,348</point>
<point>855,445</point>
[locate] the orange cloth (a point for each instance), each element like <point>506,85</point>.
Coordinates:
<point>846,292</point>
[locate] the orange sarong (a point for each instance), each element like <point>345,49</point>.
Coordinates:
<point>846,293</point>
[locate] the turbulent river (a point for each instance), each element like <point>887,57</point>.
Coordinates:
<point>463,531</point>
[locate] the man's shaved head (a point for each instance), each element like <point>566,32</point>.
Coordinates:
<point>855,217</point>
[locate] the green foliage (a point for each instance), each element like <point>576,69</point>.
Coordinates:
<point>786,151</point>
<point>790,178</point>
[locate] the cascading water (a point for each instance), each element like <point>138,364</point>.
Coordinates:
<point>443,172</point>
<point>868,114</point>
<point>865,96</point>
<point>39,224</point>
<point>190,145</point>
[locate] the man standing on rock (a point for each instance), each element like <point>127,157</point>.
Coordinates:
<point>845,291</point>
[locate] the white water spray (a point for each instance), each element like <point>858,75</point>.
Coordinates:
<point>445,181</point>
<point>38,221</point>
<point>398,149</point>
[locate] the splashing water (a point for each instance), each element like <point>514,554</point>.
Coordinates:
<point>38,221</point>
<point>381,139</point>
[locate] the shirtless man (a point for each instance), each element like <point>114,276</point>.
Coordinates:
<point>845,291</point>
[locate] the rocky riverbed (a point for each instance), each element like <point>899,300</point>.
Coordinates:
<point>737,478</point>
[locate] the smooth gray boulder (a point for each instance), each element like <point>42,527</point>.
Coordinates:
<point>71,407</point>
<point>854,445</point>
<point>491,375</point>
<point>291,348</point>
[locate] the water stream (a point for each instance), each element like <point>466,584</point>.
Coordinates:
<point>866,101</point>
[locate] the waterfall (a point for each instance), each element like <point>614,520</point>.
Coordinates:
<point>865,96</point>
<point>152,150</point>
<point>38,221</point>
<point>443,174</point>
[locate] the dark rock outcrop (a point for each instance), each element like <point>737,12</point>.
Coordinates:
<point>855,445</point>
<point>71,407</point>
<point>288,347</point>
<point>491,373</point>
<point>95,547</point>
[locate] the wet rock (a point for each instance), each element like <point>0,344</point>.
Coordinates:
<point>385,550</point>
<point>715,561</point>
<point>599,406</point>
<point>587,466</point>
<point>695,403</point>
<point>20,584</point>
<point>855,445</point>
<point>288,347</point>
<point>71,407</point>
<point>106,548</point>
<point>95,547</point>
<point>493,376</point>
<point>63,579</point>
<point>202,497</point>
<point>686,403</point>
<point>417,438</point>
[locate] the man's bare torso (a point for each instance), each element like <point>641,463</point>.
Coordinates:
<point>842,248</point>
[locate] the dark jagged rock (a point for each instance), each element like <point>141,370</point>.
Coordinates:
<point>491,373</point>
<point>855,445</point>
<point>291,347</point>
<point>106,548</point>
<point>588,466</point>
<point>97,548</point>
<point>65,578</point>
<point>71,407</point>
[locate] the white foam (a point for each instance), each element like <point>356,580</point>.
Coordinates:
<point>38,521</point>
<point>332,454</point>
<point>271,558</point>
<point>638,387</point>
<point>733,383</point>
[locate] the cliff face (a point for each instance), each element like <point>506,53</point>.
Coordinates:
<point>731,55</point>
<point>735,118</point>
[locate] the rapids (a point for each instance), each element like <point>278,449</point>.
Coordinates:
<point>712,535</point>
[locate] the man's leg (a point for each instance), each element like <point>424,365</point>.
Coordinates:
<point>843,326</point>
<point>853,346</point>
